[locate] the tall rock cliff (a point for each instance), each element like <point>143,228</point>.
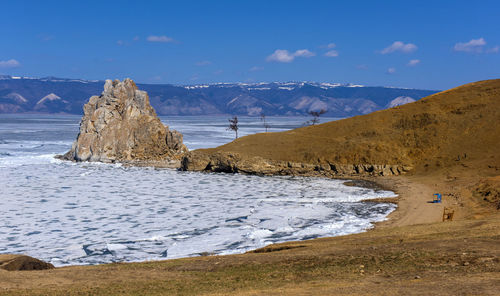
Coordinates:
<point>121,126</point>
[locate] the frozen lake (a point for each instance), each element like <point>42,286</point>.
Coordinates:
<point>88,213</point>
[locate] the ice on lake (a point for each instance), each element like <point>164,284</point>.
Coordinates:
<point>88,213</point>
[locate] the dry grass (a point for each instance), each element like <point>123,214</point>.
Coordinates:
<point>437,131</point>
<point>453,258</point>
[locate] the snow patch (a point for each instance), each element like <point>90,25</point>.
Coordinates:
<point>49,97</point>
<point>400,101</point>
<point>17,98</point>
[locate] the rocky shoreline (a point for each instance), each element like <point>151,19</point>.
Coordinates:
<point>228,162</point>
<point>12,262</point>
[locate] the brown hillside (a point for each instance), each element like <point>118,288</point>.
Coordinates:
<point>461,124</point>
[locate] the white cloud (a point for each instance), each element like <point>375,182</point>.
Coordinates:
<point>163,39</point>
<point>473,46</point>
<point>284,56</point>
<point>281,55</point>
<point>362,67</point>
<point>9,64</point>
<point>413,63</point>
<point>218,72</point>
<point>495,49</point>
<point>256,68</point>
<point>203,63</point>
<point>329,45</point>
<point>127,42</point>
<point>332,53</point>
<point>391,70</point>
<point>399,46</point>
<point>304,53</point>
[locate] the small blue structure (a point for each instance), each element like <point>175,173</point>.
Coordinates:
<point>437,198</point>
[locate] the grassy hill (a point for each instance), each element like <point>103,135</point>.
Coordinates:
<point>461,124</point>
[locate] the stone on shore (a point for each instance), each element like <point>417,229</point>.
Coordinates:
<point>13,262</point>
<point>120,125</point>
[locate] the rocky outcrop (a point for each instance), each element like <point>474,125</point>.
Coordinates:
<point>235,163</point>
<point>12,262</point>
<point>121,126</point>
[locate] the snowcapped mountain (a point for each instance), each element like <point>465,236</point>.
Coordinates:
<point>400,101</point>
<point>270,85</point>
<point>60,95</point>
<point>17,98</point>
<point>52,103</point>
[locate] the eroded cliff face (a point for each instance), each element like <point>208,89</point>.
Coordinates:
<point>236,163</point>
<point>121,126</point>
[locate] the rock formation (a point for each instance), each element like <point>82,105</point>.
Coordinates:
<point>13,262</point>
<point>121,126</point>
<point>228,162</point>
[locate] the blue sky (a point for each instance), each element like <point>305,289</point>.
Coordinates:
<point>419,44</point>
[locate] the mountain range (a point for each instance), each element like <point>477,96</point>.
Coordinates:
<point>60,95</point>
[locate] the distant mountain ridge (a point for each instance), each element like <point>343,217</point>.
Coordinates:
<point>61,95</point>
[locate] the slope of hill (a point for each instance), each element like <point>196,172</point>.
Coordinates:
<point>18,94</point>
<point>445,128</point>
<point>447,141</point>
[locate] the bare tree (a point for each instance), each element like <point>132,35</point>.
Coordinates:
<point>315,115</point>
<point>263,119</point>
<point>233,125</point>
